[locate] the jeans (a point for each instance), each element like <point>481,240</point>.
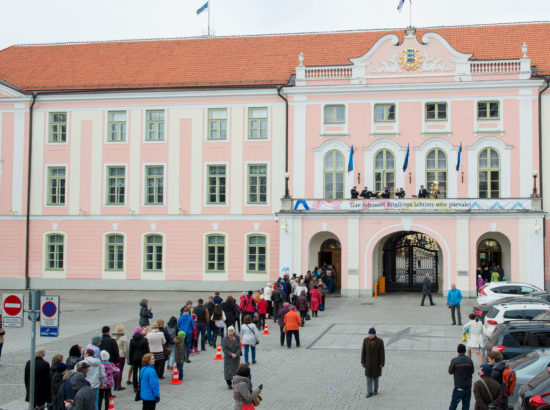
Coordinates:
<point>96,391</point>
<point>424,297</point>
<point>370,381</point>
<point>135,375</point>
<point>188,341</point>
<point>330,284</point>
<point>289,334</point>
<point>269,308</point>
<point>149,405</point>
<point>172,357</point>
<point>201,332</point>
<point>104,395</point>
<point>180,370</point>
<point>261,322</point>
<point>303,314</point>
<point>282,336</point>
<point>218,331</point>
<point>457,308</point>
<point>246,348</point>
<point>459,395</point>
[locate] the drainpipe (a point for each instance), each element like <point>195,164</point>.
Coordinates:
<point>547,79</point>
<point>287,193</point>
<point>28,216</point>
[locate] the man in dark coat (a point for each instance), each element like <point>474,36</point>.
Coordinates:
<point>42,387</point>
<point>278,297</point>
<point>109,344</point>
<point>462,369</point>
<point>487,390</point>
<point>373,359</point>
<point>422,192</point>
<point>427,290</point>
<point>138,348</point>
<point>145,312</point>
<point>354,193</point>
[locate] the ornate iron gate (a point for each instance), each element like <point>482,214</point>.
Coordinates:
<point>408,257</point>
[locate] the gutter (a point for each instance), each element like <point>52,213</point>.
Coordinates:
<point>547,79</point>
<point>287,194</point>
<point>29,179</point>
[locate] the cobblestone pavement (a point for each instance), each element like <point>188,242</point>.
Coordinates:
<point>325,373</point>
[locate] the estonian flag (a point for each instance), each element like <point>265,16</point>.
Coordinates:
<point>400,5</point>
<point>350,162</point>
<point>203,7</point>
<point>406,162</point>
<point>458,157</point>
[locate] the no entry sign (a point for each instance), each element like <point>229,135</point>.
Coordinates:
<point>12,307</point>
<point>49,311</point>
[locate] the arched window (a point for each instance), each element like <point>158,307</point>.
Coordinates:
<point>384,171</point>
<point>215,253</point>
<point>153,252</point>
<point>256,254</point>
<point>55,251</point>
<point>114,252</point>
<point>489,173</point>
<point>334,171</point>
<point>436,171</point>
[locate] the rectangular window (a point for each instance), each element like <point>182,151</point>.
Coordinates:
<point>215,253</point>
<point>116,126</point>
<point>55,252</point>
<point>58,127</point>
<point>436,111</point>
<point>154,185</point>
<point>153,253</point>
<point>488,110</point>
<point>116,185</point>
<point>56,186</point>
<point>384,112</point>
<point>154,125</point>
<point>216,184</point>
<point>217,123</point>
<point>335,114</point>
<point>256,254</point>
<point>257,123</point>
<point>257,184</point>
<point>114,253</point>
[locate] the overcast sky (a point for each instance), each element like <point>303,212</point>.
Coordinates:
<point>41,21</point>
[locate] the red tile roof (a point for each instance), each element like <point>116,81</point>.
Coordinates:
<point>265,60</point>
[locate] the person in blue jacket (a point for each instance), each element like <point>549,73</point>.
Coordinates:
<point>149,382</point>
<point>187,324</point>
<point>454,297</point>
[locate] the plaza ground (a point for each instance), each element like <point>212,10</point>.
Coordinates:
<point>325,373</point>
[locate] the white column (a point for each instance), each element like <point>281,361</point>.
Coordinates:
<point>237,167</point>
<point>462,259</point>
<point>18,159</point>
<point>353,254</point>
<point>298,177</point>
<point>525,142</point>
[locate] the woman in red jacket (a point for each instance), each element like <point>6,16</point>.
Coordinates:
<point>262,311</point>
<point>315,300</point>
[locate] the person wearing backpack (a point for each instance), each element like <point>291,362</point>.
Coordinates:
<point>487,390</point>
<point>499,366</point>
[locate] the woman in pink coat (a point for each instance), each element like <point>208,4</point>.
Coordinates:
<point>315,300</point>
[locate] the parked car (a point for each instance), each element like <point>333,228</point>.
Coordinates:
<point>517,337</point>
<point>481,310</point>
<point>541,295</point>
<point>538,397</point>
<point>500,290</point>
<point>543,316</point>
<point>508,312</point>
<point>527,366</point>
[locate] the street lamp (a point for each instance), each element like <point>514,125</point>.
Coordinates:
<point>287,176</point>
<point>535,175</point>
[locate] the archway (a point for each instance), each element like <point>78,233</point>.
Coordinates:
<point>325,250</point>
<point>493,248</point>
<point>407,257</point>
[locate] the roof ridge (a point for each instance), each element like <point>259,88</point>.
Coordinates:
<point>271,34</point>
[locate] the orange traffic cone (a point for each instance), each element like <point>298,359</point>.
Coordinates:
<point>266,330</point>
<point>175,377</point>
<point>111,404</point>
<point>219,353</point>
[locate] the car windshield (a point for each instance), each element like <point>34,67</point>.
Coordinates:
<point>543,316</point>
<point>523,360</point>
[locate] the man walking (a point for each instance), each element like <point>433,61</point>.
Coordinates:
<point>203,318</point>
<point>462,369</point>
<point>454,297</point>
<point>373,359</point>
<point>427,290</point>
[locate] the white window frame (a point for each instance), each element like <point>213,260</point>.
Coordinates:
<point>48,112</point>
<point>268,119</point>
<point>255,275</point>
<point>46,185</point>
<point>106,186</point>
<point>61,273</point>
<point>165,129</point>
<point>227,184</point>
<point>144,186</point>
<point>268,182</point>
<point>107,131</point>
<point>228,120</point>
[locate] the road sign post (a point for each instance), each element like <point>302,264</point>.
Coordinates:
<point>49,316</point>
<point>34,314</point>
<point>12,307</point>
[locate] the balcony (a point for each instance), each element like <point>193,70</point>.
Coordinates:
<point>412,205</point>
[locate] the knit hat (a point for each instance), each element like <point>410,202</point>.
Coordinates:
<point>486,368</point>
<point>60,367</point>
<point>105,329</point>
<point>372,331</point>
<point>292,307</point>
<point>285,304</point>
<point>137,330</point>
<point>104,354</point>
<point>96,340</point>
<point>181,334</point>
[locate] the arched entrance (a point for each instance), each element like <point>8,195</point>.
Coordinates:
<point>325,250</point>
<point>489,253</point>
<point>407,257</point>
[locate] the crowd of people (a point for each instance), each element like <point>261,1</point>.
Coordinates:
<point>88,376</point>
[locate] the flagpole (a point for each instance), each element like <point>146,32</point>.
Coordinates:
<point>410,13</point>
<point>209,6</point>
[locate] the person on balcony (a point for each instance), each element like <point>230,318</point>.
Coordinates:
<point>386,194</point>
<point>422,192</point>
<point>365,193</point>
<point>400,193</point>
<point>354,193</point>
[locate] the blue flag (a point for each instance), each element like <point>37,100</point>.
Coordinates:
<point>203,7</point>
<point>458,158</point>
<point>350,162</point>
<point>400,5</point>
<point>406,162</point>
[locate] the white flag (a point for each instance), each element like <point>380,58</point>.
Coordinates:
<point>400,5</point>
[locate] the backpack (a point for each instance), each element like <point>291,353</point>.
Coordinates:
<point>509,381</point>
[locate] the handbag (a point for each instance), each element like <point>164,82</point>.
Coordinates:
<point>167,351</point>
<point>321,307</point>
<point>285,329</point>
<point>220,324</point>
<point>308,317</point>
<point>257,401</point>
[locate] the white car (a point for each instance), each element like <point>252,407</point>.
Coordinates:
<point>494,291</point>
<point>511,312</point>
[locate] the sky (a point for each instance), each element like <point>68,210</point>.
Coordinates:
<point>60,21</point>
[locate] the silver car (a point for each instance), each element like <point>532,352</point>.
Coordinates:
<point>527,365</point>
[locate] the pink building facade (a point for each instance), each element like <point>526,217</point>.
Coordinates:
<point>227,183</point>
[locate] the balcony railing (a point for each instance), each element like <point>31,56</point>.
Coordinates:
<point>495,67</point>
<point>415,205</point>
<point>328,73</point>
